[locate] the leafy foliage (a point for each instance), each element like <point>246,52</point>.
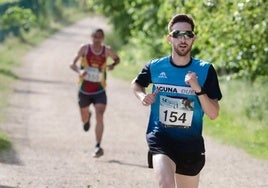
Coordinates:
<point>235,38</point>
<point>231,33</point>
<point>16,18</point>
<point>21,15</point>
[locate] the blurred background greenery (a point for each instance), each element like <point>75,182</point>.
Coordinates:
<point>232,34</point>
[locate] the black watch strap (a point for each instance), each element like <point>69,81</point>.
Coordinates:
<point>202,92</point>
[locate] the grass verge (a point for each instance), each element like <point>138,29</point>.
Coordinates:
<point>242,121</point>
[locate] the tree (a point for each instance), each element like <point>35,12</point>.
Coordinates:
<point>231,34</point>
<point>16,19</point>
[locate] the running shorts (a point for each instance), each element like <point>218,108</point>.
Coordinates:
<point>86,100</point>
<point>187,163</point>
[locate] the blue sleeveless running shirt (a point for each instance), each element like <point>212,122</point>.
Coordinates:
<point>177,110</point>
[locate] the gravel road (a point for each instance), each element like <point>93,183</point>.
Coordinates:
<point>51,150</point>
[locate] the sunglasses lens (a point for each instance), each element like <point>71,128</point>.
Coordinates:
<point>186,34</point>
<point>176,34</point>
<point>189,34</point>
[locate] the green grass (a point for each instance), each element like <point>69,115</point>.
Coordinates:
<point>242,121</point>
<point>5,142</point>
<point>8,61</point>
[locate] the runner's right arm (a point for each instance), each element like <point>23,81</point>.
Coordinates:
<point>80,53</point>
<point>146,98</point>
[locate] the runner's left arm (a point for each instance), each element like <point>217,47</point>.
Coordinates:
<point>114,56</point>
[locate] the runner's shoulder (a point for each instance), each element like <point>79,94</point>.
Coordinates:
<point>83,48</point>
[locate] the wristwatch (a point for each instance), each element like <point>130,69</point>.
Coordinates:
<point>202,92</point>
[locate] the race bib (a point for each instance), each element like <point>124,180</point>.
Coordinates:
<point>176,112</point>
<point>93,74</point>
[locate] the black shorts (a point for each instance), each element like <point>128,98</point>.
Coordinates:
<point>187,163</point>
<point>86,100</point>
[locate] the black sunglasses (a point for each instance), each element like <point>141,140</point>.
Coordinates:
<point>179,34</point>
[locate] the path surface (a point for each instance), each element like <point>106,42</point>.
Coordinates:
<point>52,151</point>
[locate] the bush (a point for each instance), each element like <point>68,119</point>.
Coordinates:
<point>16,19</point>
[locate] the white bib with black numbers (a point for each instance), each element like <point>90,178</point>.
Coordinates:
<point>176,112</point>
<point>93,74</point>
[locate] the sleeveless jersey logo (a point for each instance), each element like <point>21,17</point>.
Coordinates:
<point>162,75</point>
<point>175,89</point>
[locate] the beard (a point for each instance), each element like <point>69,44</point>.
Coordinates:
<point>182,51</point>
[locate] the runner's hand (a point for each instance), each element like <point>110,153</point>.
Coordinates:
<point>192,79</point>
<point>82,73</point>
<point>149,98</point>
<point>74,67</point>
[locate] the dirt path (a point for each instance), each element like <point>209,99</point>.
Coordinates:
<point>51,150</point>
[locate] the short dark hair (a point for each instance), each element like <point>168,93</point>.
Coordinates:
<point>180,18</point>
<point>98,30</point>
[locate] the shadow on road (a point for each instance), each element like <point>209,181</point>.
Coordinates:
<point>25,79</point>
<point>10,157</point>
<point>4,186</point>
<point>8,73</point>
<point>125,163</point>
